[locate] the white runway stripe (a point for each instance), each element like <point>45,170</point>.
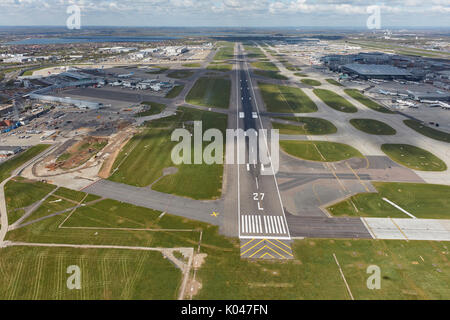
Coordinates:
<point>253,224</point>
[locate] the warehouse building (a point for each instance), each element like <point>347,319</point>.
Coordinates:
<point>375,71</point>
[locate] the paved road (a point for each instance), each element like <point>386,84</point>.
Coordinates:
<point>145,197</point>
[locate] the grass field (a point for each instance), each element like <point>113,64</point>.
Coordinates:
<point>313,274</point>
<point>334,82</point>
<point>225,53</point>
<point>311,82</point>
<point>162,69</point>
<point>142,161</point>
<point>106,274</point>
<point>270,74</point>
<point>7,167</point>
<point>306,126</point>
<point>210,92</point>
<point>175,92</point>
<point>155,108</point>
<point>355,94</point>
<point>286,99</point>
<point>374,127</point>
<point>409,270</point>
<point>322,151</point>
<point>335,101</point>
<point>192,65</point>
<point>254,52</point>
<point>180,74</point>
<point>21,193</point>
<point>266,66</point>
<point>300,74</point>
<point>424,201</point>
<point>220,67</point>
<point>427,131</point>
<point>413,157</point>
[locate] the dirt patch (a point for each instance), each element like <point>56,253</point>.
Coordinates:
<point>78,154</point>
<point>170,171</point>
<point>199,259</point>
<point>193,288</point>
<point>114,148</point>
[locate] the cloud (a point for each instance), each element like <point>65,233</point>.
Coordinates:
<point>142,12</point>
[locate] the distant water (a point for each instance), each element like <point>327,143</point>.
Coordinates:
<point>32,41</point>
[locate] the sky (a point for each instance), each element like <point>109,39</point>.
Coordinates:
<point>236,13</point>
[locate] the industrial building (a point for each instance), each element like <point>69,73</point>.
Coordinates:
<point>375,71</point>
<point>7,151</point>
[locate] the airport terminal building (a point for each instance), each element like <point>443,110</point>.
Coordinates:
<point>375,71</point>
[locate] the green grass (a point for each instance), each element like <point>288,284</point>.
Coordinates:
<point>220,67</point>
<point>374,127</point>
<point>414,157</point>
<point>313,274</point>
<point>427,131</point>
<point>335,101</point>
<point>144,158</point>
<point>300,74</point>
<point>174,92</point>
<point>106,274</point>
<point>50,206</point>
<point>210,92</point>
<point>334,82</point>
<point>192,65</point>
<point>7,167</point>
<point>424,201</point>
<point>322,151</point>
<point>23,193</point>
<point>254,52</point>
<point>286,99</point>
<point>180,74</point>
<point>306,126</point>
<point>355,94</point>
<point>270,74</point>
<point>160,71</point>
<point>225,53</point>
<point>311,82</point>
<point>121,274</point>
<point>155,108</point>
<point>73,195</point>
<point>266,66</point>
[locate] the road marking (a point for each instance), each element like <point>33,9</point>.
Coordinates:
<point>343,277</point>
<point>279,248</point>
<point>257,184</point>
<point>399,229</point>
<point>215,214</point>
<point>247,243</point>
<point>399,208</point>
<point>251,247</point>
<point>241,115</point>
<point>267,148</point>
